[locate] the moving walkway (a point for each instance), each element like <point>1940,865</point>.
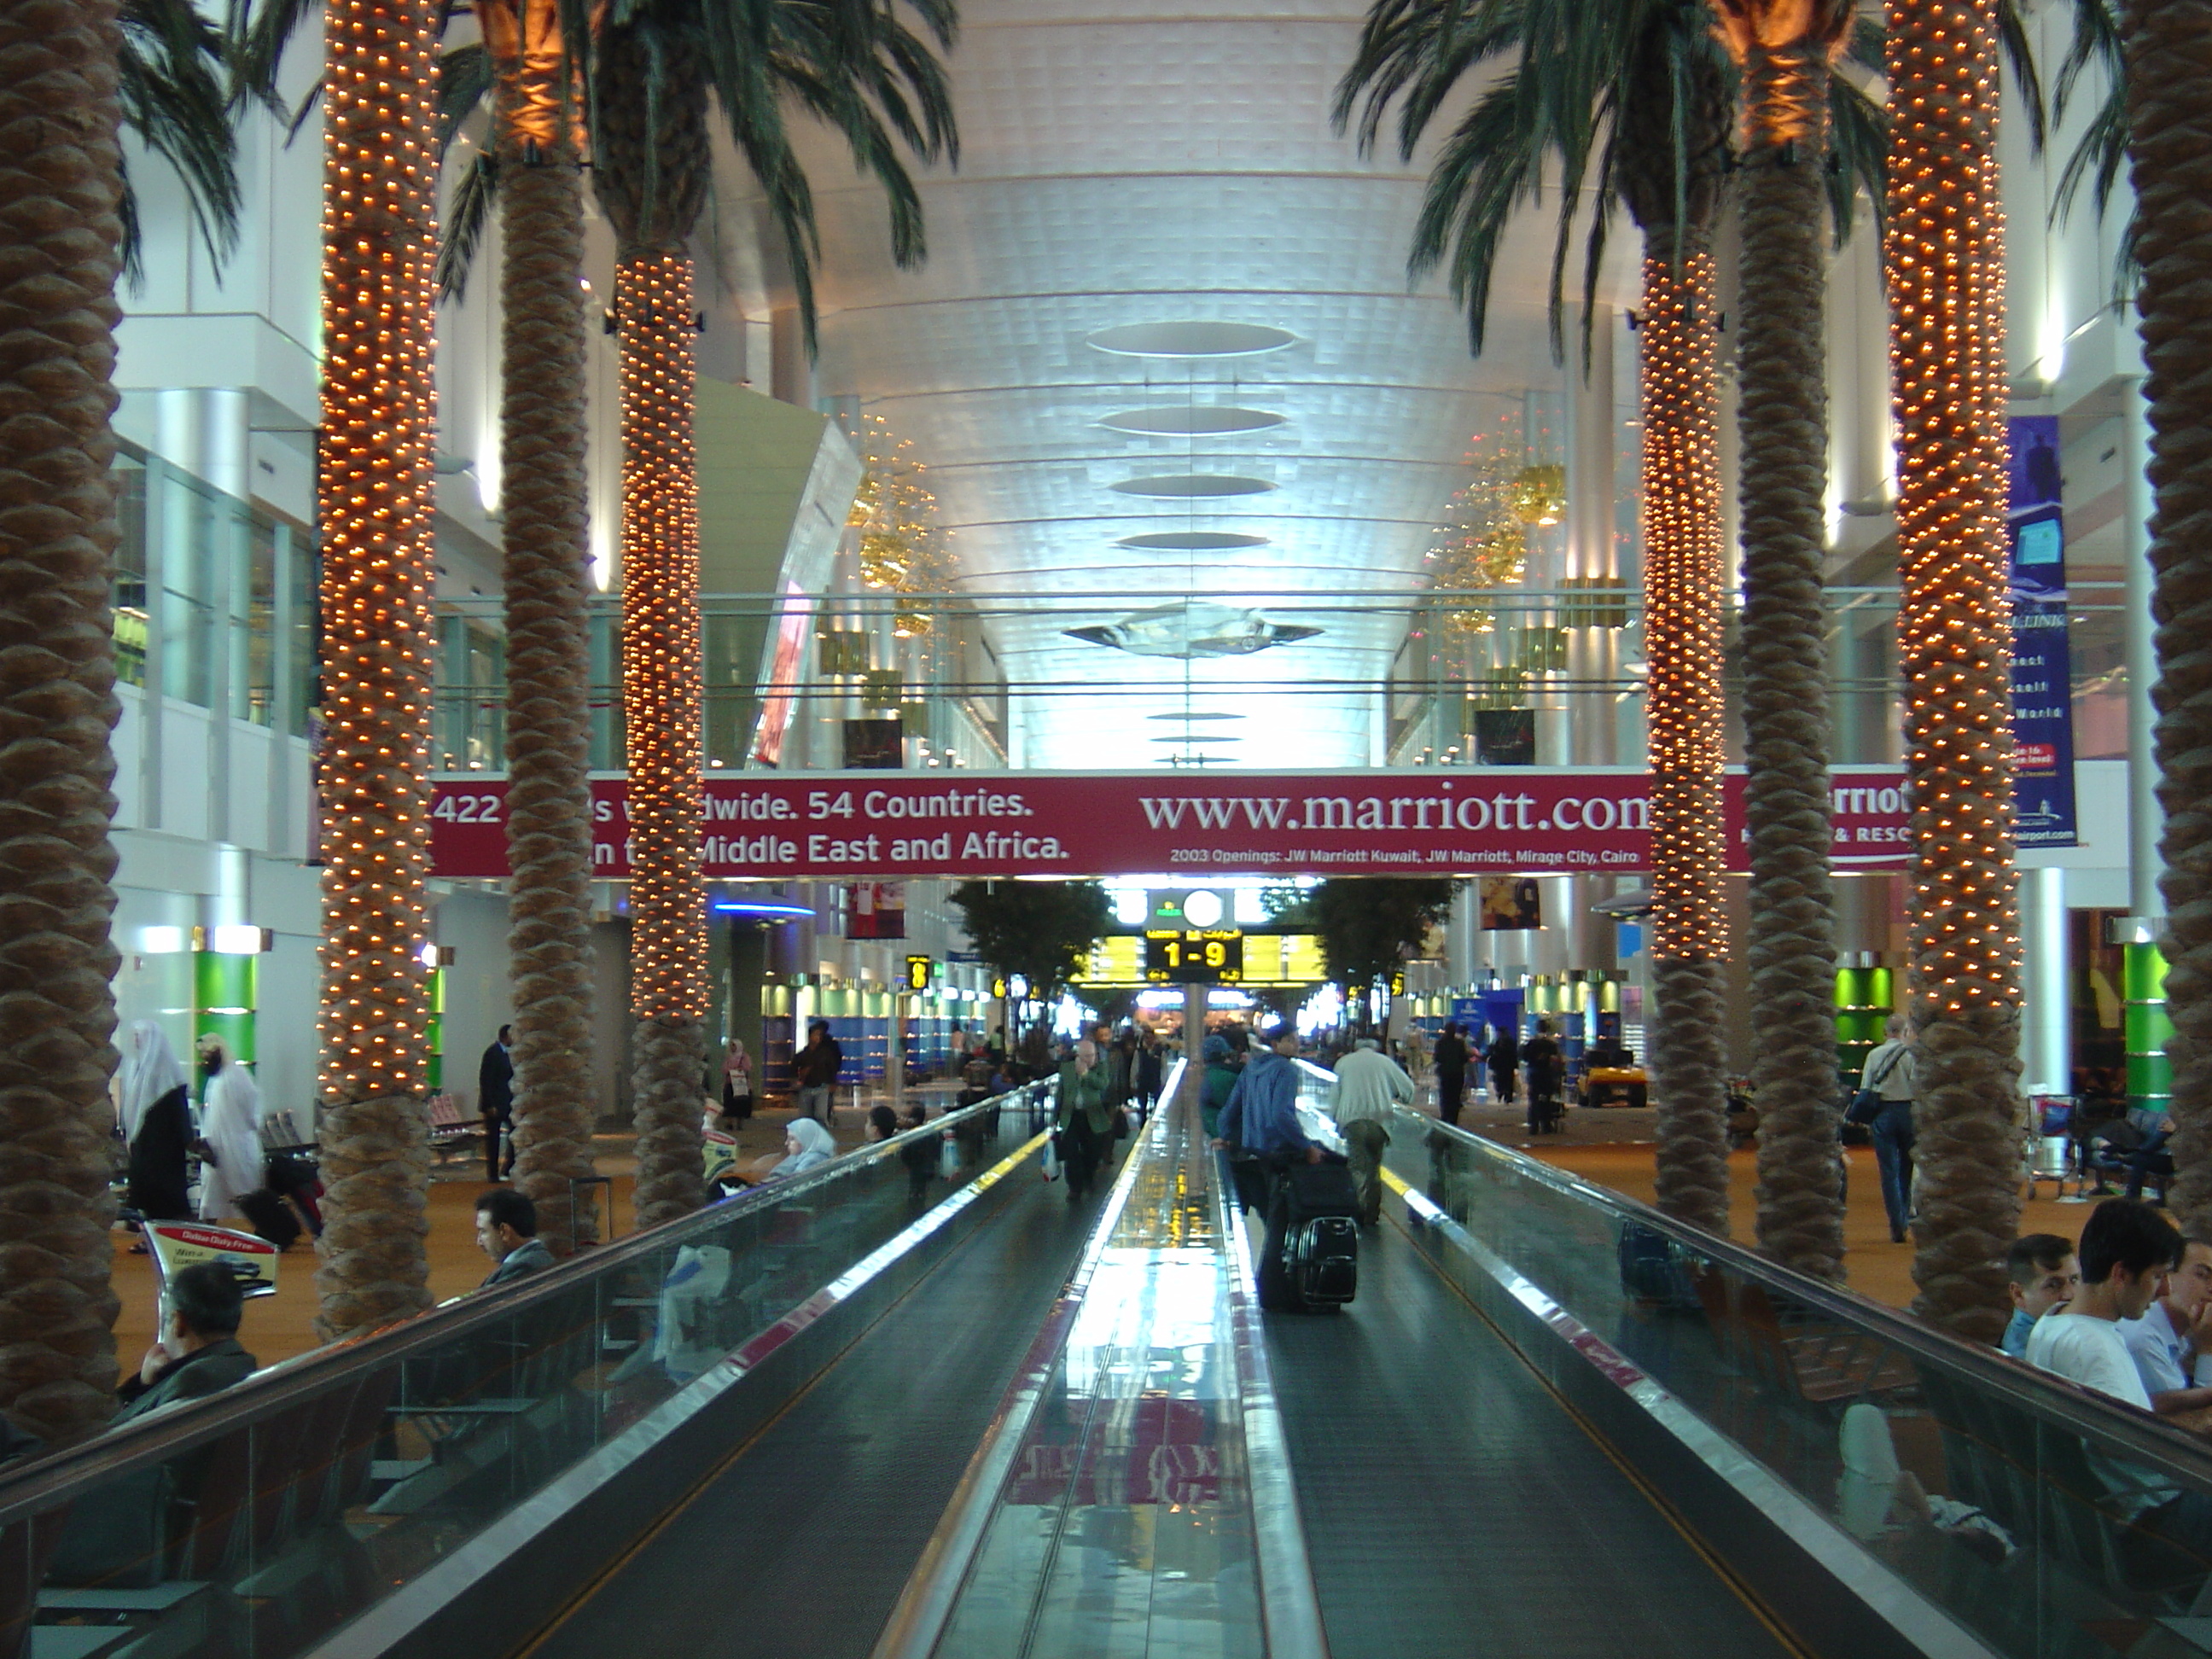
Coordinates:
<point>865,1413</point>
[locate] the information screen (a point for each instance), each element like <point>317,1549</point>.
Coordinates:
<point>1194,956</point>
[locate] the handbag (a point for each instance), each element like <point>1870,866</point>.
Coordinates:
<point>1867,1104</point>
<point>1051,1160</point>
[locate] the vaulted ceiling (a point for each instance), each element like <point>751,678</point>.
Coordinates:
<point>1130,162</point>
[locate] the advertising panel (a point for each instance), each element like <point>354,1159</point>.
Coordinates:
<point>1448,821</point>
<point>2042,655</point>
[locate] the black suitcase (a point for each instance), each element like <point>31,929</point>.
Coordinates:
<point>270,1216</point>
<point>1321,1235</point>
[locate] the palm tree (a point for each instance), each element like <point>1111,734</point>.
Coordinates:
<point>1944,262</point>
<point>533,166</point>
<point>1783,51</point>
<point>61,191</point>
<point>181,100</point>
<point>2170,164</point>
<point>373,486</point>
<point>660,63</point>
<point>1630,97</point>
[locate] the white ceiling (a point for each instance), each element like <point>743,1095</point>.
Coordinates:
<point>1125,162</point>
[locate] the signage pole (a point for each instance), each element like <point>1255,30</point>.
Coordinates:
<point>895,1054</point>
<point>1194,1054</point>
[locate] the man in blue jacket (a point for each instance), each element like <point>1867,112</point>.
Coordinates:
<point>1262,1117</point>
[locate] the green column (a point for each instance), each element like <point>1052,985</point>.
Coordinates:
<point>2147,1027</point>
<point>226,990</point>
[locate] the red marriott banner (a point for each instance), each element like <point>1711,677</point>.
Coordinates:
<point>1439,822</point>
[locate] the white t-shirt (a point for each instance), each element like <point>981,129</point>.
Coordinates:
<point>2091,1351</point>
<point>2094,1353</point>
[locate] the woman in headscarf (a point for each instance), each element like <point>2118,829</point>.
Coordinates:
<point>230,1124</point>
<point>807,1145</point>
<point>157,1125</point>
<point>737,1085</point>
<point>1085,1123</point>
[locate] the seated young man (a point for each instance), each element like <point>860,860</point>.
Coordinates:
<point>2127,1250</point>
<point>506,1232</point>
<point>2041,1273</point>
<point>199,1353</point>
<point>2174,1331</point>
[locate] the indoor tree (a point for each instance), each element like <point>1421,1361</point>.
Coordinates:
<point>1620,103</point>
<point>1944,266</point>
<point>661,68</point>
<point>1041,930</point>
<point>537,149</point>
<point>61,191</point>
<point>2168,56</point>
<point>1783,51</point>
<point>374,490</point>
<point>1367,927</point>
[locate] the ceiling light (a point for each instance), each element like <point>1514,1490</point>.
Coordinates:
<point>1191,629</point>
<point>1182,484</point>
<point>1203,715</point>
<point>1170,420</point>
<point>1192,541</point>
<point>1191,339</point>
<point>1203,737</point>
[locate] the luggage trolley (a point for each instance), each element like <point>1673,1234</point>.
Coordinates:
<point>2052,1153</point>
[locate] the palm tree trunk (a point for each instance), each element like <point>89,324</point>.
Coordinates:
<point>1679,403</point>
<point>375,489</point>
<point>1944,261</point>
<point>542,440</point>
<point>1782,420</point>
<point>661,707</point>
<point>59,190</point>
<point>2170,157</point>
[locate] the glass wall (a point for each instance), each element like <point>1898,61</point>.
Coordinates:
<point>214,598</point>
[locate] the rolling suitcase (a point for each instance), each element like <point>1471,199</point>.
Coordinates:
<point>1320,1236</point>
<point>270,1216</point>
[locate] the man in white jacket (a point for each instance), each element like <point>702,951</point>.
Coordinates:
<point>1368,1081</point>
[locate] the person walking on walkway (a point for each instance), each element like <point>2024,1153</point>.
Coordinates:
<point>1262,1117</point>
<point>1451,1072</point>
<point>1891,1074</point>
<point>819,1063</point>
<point>737,1085</point>
<point>1085,1126</point>
<point>1504,1063</point>
<point>495,1103</point>
<point>1548,1073</point>
<point>1368,1084</point>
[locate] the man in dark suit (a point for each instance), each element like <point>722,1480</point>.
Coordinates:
<point>496,1100</point>
<point>1450,1058</point>
<point>506,1232</point>
<point>198,1353</point>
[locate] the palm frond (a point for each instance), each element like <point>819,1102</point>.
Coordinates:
<point>2020,58</point>
<point>466,77</point>
<point>172,81</point>
<point>474,199</point>
<point>1858,151</point>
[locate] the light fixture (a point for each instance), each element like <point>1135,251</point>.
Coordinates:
<point>1191,541</point>
<point>1189,419</point>
<point>1190,339</point>
<point>160,941</point>
<point>762,912</point>
<point>1179,486</point>
<point>1202,908</point>
<point>239,938</point>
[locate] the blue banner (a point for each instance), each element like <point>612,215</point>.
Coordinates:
<point>2042,661</point>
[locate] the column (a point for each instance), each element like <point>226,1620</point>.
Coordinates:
<point>2046,1050</point>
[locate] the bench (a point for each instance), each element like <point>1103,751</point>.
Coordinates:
<point>450,1127</point>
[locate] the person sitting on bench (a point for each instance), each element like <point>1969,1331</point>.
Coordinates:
<point>199,1353</point>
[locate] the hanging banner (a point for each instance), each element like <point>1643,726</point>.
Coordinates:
<point>2042,660</point>
<point>1524,821</point>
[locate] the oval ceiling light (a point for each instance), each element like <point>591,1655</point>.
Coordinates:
<point>1193,422</point>
<point>1182,485</point>
<point>1203,714</point>
<point>1192,541</point>
<point>1192,339</point>
<point>1203,737</point>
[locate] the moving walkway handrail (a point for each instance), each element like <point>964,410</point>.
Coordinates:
<point>2083,1411</point>
<point>40,1484</point>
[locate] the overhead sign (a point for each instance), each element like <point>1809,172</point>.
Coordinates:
<point>1194,956</point>
<point>1442,821</point>
<point>918,971</point>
